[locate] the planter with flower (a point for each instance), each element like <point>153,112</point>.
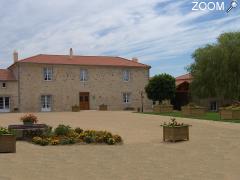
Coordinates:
<point>174,131</point>
<point>230,112</point>
<point>29,119</point>
<point>75,108</point>
<point>103,107</point>
<point>193,110</point>
<point>7,141</point>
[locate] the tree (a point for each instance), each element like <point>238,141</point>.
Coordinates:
<point>216,69</point>
<point>161,87</point>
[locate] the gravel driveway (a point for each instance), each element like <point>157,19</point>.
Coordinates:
<point>213,151</point>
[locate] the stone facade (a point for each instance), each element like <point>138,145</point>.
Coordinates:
<point>105,85</point>
<point>10,91</point>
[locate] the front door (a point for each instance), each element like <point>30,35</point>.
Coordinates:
<point>84,100</point>
<point>4,104</point>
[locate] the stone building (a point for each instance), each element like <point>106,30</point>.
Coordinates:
<point>58,82</point>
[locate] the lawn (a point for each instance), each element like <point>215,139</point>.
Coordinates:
<point>213,116</point>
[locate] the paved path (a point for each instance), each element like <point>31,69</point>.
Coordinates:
<point>213,151</point>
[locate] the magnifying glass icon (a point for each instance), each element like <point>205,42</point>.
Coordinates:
<point>234,4</point>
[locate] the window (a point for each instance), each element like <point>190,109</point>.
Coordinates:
<point>4,104</point>
<point>4,85</point>
<point>126,75</point>
<point>126,97</point>
<point>46,103</point>
<point>83,75</point>
<point>47,73</point>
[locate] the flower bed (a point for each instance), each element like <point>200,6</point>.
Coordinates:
<point>193,110</point>
<point>175,131</point>
<point>64,135</point>
<point>7,141</point>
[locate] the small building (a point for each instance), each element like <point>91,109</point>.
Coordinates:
<point>182,96</point>
<point>58,82</point>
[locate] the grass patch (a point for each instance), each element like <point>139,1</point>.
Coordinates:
<point>212,116</point>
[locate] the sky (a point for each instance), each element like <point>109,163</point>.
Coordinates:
<point>160,33</point>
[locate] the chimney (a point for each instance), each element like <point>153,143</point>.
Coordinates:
<point>135,59</point>
<point>71,53</point>
<point>15,56</point>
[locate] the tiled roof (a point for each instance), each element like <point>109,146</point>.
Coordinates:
<point>183,78</point>
<point>6,75</point>
<point>83,60</point>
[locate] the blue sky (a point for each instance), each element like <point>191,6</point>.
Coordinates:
<point>161,33</point>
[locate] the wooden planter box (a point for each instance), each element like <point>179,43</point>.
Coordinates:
<point>7,144</point>
<point>103,107</point>
<point>75,108</point>
<point>229,114</point>
<point>174,134</point>
<point>193,111</point>
<point>162,108</point>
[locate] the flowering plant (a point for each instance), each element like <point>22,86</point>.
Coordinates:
<point>173,123</point>
<point>29,118</point>
<point>4,131</point>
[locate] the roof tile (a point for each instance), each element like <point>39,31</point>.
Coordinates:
<point>83,60</point>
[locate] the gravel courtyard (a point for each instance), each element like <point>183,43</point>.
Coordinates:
<point>213,151</point>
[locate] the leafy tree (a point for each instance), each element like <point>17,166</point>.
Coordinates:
<point>216,68</point>
<point>161,87</point>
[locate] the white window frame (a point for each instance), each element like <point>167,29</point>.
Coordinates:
<point>46,103</point>
<point>4,109</point>
<point>47,73</point>
<point>83,75</point>
<point>126,97</point>
<point>126,75</point>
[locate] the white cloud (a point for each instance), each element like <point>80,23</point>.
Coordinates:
<point>128,28</point>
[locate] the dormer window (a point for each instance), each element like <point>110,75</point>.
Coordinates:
<point>47,73</point>
<point>83,75</point>
<point>126,75</point>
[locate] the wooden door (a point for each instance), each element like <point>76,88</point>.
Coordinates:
<point>84,100</point>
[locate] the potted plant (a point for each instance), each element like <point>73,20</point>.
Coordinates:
<point>75,108</point>
<point>7,141</point>
<point>29,119</point>
<point>102,107</point>
<point>230,112</point>
<point>174,131</point>
<point>193,110</point>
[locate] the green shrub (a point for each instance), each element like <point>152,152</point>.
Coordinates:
<point>88,139</point>
<point>106,136</point>
<point>111,141</point>
<point>78,130</point>
<point>44,142</point>
<point>37,140</point>
<point>117,138</point>
<point>62,130</point>
<point>64,141</point>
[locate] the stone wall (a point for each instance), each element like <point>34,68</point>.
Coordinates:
<point>105,85</point>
